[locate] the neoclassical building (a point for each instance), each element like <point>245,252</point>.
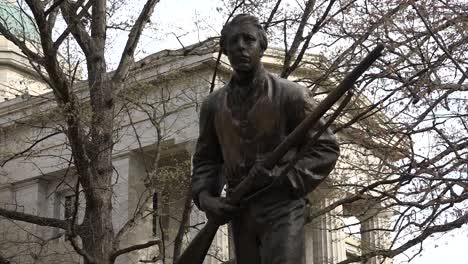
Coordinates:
<point>157,120</point>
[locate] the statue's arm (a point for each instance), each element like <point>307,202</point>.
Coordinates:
<point>207,159</point>
<point>319,159</point>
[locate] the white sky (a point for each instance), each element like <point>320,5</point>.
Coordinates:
<point>450,249</point>
<point>178,16</point>
<point>191,21</point>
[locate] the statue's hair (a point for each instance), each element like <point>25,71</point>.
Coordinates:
<point>239,20</point>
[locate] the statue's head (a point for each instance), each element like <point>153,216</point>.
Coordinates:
<point>240,21</point>
<point>244,41</point>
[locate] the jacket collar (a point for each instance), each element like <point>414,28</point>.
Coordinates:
<point>252,89</point>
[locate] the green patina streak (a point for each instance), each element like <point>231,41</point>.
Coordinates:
<point>17,21</point>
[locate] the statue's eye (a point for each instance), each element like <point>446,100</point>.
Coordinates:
<point>250,37</point>
<point>233,40</point>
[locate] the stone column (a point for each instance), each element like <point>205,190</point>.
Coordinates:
<point>309,242</point>
<point>374,236</point>
<point>328,243</point>
<point>369,238</point>
<point>130,192</point>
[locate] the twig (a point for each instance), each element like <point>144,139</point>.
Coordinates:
<point>220,50</point>
<point>133,248</point>
<point>272,14</point>
<point>29,148</point>
<point>463,71</point>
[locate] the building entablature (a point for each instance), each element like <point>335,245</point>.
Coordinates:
<point>155,69</point>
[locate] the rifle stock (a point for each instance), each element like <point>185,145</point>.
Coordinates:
<point>198,248</point>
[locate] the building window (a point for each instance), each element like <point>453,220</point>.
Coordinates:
<point>69,206</point>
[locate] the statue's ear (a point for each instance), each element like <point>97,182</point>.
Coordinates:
<point>263,46</point>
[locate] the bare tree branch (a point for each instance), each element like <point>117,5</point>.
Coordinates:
<point>126,61</point>
<point>75,26</point>
<point>3,260</point>
<point>33,56</point>
<point>29,148</point>
<point>272,14</point>
<point>298,37</point>
<point>53,7</point>
<point>66,32</point>
<point>33,219</point>
<point>436,38</point>
<point>420,238</point>
<point>129,249</point>
<point>220,52</point>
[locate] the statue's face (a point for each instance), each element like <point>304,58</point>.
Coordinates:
<point>243,48</point>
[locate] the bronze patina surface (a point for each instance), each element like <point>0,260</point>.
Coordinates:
<point>239,125</point>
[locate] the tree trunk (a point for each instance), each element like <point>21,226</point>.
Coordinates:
<point>98,236</point>
<point>98,240</point>
<point>183,225</point>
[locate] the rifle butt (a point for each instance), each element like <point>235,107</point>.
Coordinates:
<point>198,248</point>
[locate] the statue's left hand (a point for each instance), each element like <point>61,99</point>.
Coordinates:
<point>263,177</point>
<point>217,209</point>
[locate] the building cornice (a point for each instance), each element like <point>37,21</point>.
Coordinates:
<point>14,59</point>
<point>148,69</point>
<point>154,67</point>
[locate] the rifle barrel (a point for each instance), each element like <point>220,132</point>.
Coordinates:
<point>300,131</point>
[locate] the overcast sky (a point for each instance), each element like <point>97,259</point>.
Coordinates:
<point>190,21</point>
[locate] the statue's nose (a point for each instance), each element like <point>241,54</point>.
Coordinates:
<point>241,43</point>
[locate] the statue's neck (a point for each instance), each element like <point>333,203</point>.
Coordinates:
<point>248,78</point>
<point>246,84</point>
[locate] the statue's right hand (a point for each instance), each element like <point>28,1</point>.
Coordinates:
<point>217,209</point>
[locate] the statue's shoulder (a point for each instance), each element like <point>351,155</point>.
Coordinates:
<point>288,88</point>
<point>212,100</point>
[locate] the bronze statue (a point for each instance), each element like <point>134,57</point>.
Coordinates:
<point>239,125</point>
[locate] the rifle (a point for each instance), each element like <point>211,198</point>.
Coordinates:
<point>198,248</point>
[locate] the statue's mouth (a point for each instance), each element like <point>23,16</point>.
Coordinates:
<point>244,59</point>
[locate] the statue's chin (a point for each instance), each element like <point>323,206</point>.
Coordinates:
<point>244,68</point>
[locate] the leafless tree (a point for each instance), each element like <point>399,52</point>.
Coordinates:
<point>91,139</point>
<point>404,136</point>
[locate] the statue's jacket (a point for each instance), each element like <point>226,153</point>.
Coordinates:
<point>239,126</point>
